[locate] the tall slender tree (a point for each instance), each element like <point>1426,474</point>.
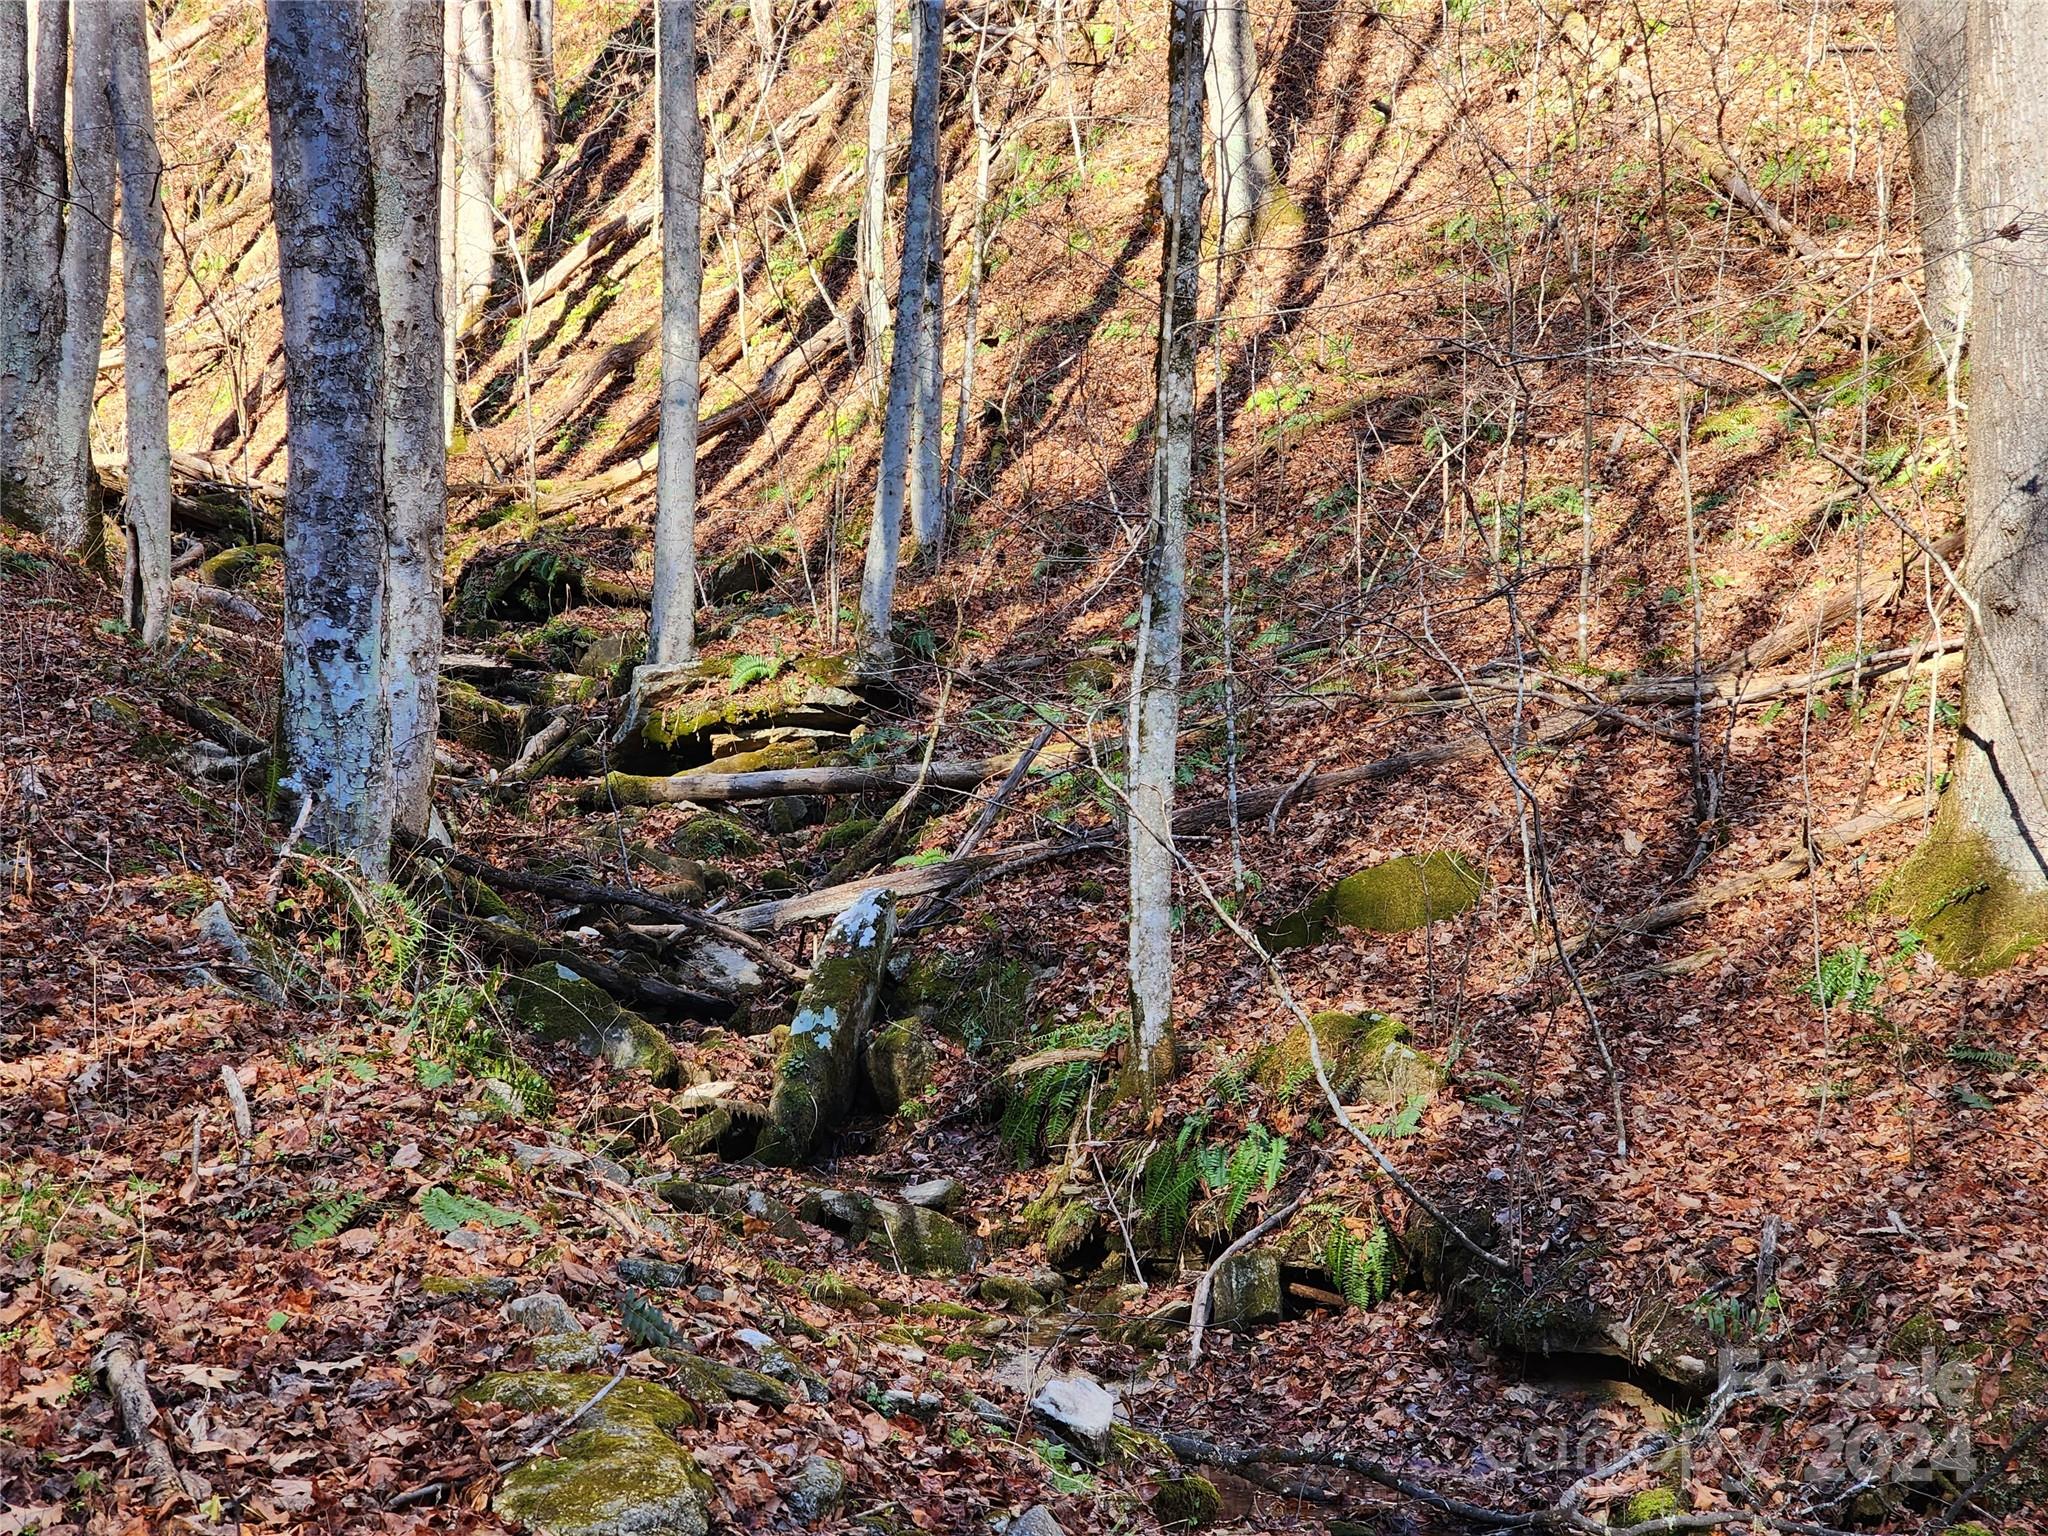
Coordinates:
<point>1931,52</point>
<point>335,726</point>
<point>672,625</point>
<point>914,282</point>
<point>88,249</point>
<point>1162,599</point>
<point>31,287</point>
<point>451,298</point>
<point>1237,117</point>
<point>927,466</point>
<point>873,233</point>
<point>146,510</point>
<point>476,214</point>
<point>1977,888</point>
<point>529,127</point>
<point>406,81</point>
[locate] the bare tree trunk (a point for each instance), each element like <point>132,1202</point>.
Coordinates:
<point>1977,887</point>
<point>527,127</point>
<point>32,309</point>
<point>970,325</point>
<point>88,251</point>
<point>874,202</point>
<point>334,719</point>
<point>1237,117</point>
<point>476,220</point>
<point>914,281</point>
<point>544,50</point>
<point>406,80</point>
<point>146,508</point>
<point>927,482</point>
<point>1931,51</point>
<point>451,299</point>
<point>1155,681</point>
<point>672,624</point>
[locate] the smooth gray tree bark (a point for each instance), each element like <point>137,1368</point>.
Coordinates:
<point>1162,601</point>
<point>1237,118</point>
<point>2001,781</point>
<point>451,300</point>
<point>32,304</point>
<point>927,468</point>
<point>914,282</point>
<point>672,625</point>
<point>1931,51</point>
<point>146,509</point>
<point>334,727</point>
<point>476,217</point>
<point>528,129</point>
<point>873,234</point>
<point>406,80</point>
<point>88,253</point>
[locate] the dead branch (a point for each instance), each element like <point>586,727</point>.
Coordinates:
<point>120,1365</point>
<point>628,986</point>
<point>697,785</point>
<point>1198,1312</point>
<point>588,892</point>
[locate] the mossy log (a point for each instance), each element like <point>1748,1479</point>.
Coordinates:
<point>481,723</point>
<point>715,782</point>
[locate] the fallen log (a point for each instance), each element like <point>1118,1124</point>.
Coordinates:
<point>699,786</point>
<point>119,1364</point>
<point>768,916</point>
<point>627,986</point>
<point>595,893</point>
<point>1790,865</point>
<point>1796,635</point>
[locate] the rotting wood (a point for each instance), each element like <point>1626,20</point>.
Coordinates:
<point>1788,866</point>
<point>596,893</point>
<point>120,1365</point>
<point>627,986</point>
<point>698,787</point>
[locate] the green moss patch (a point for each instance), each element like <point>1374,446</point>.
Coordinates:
<point>1396,895</point>
<point>557,1004</point>
<point>1973,914</point>
<point>619,1473</point>
<point>1366,1056</point>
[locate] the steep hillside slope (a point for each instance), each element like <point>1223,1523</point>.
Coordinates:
<point>1569,577</point>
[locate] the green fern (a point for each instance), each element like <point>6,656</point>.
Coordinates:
<point>327,1218</point>
<point>453,1019</point>
<point>1042,1106</point>
<point>1983,1056</point>
<point>1172,1174</point>
<point>1254,1164</point>
<point>1363,1269</point>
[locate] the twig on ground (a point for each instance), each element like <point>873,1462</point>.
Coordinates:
<point>1198,1313</point>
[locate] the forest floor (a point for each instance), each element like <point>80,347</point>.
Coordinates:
<point>1833,1148</point>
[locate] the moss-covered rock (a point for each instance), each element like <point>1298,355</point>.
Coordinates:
<point>898,1062</point>
<point>557,1004</point>
<point>923,1242</point>
<point>1246,1290</point>
<point>1650,1504</point>
<point>814,1075</point>
<point>480,722</point>
<point>1091,675</point>
<point>815,1490</point>
<point>1070,1234</point>
<point>1009,1292</point>
<point>1974,914</point>
<point>701,1136</point>
<point>1186,1503</point>
<point>1366,1056</point>
<point>233,567</point>
<point>982,1001</point>
<point>1393,896</point>
<point>844,834</point>
<point>682,709</point>
<point>523,586</point>
<point>619,1472</point>
<point>709,835</point>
